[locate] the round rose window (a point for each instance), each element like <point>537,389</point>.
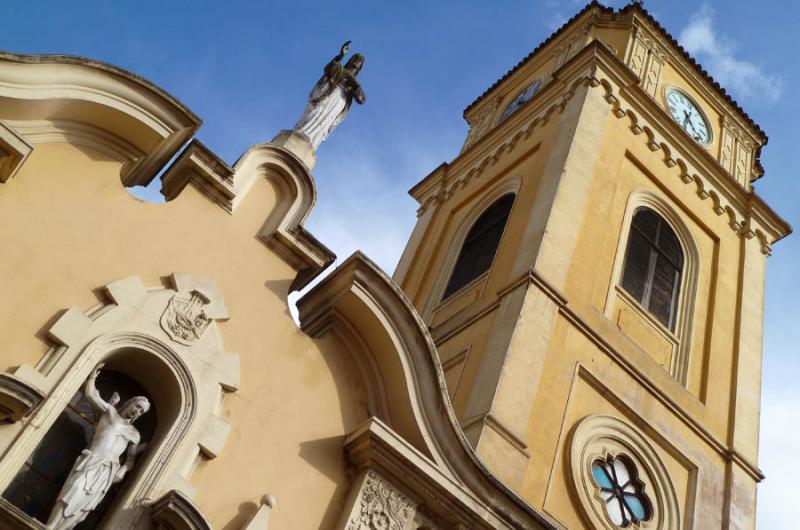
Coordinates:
<point>621,491</point>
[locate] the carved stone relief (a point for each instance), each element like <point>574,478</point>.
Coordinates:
<point>132,320</point>
<point>647,59</point>
<point>572,46</point>
<point>380,506</point>
<point>736,152</point>
<point>424,522</point>
<point>185,318</point>
<point>653,75</point>
<point>638,58</point>
<point>481,124</point>
<point>743,164</point>
<point>728,146</point>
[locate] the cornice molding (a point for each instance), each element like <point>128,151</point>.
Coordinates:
<point>377,307</point>
<point>637,18</point>
<point>597,67</point>
<point>375,446</point>
<point>227,186</point>
<point>91,91</point>
<point>77,133</point>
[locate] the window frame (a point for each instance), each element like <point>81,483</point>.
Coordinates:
<point>447,293</point>
<point>681,336</point>
<point>653,254</point>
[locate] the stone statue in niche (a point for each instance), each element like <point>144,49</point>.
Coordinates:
<point>185,318</point>
<point>100,465</point>
<point>331,97</point>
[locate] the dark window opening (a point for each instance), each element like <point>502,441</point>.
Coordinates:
<point>653,265</point>
<point>37,484</point>
<point>480,245</point>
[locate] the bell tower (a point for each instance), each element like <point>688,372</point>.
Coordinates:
<point>591,267</point>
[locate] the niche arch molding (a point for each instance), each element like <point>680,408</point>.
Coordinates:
<point>188,384</point>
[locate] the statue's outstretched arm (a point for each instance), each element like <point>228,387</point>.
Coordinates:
<point>91,393</point>
<point>342,52</point>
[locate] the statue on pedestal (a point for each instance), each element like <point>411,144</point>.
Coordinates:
<point>99,466</point>
<point>331,98</point>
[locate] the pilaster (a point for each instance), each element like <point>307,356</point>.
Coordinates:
<point>503,394</point>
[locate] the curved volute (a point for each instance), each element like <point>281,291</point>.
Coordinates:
<point>49,98</point>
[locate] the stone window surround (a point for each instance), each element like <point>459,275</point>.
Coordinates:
<point>198,377</point>
<point>682,334</point>
<point>598,436</point>
<point>509,185</point>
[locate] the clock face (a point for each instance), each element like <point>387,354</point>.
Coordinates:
<point>688,116</point>
<point>522,98</point>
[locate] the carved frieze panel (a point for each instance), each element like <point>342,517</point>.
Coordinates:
<point>651,79</point>
<point>380,506</point>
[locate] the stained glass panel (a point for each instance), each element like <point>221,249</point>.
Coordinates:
<point>621,491</point>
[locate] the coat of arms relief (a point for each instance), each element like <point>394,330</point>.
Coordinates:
<point>186,317</point>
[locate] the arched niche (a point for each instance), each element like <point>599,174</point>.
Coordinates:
<point>186,376</point>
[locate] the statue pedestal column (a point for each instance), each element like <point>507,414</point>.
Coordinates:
<point>298,145</point>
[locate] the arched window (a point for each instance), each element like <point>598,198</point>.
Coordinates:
<point>36,486</point>
<point>653,266</point>
<point>480,245</point>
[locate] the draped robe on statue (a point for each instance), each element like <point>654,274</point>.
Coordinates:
<point>94,472</point>
<point>328,103</point>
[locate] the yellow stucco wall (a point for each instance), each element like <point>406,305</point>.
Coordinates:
<point>576,345</point>
<point>69,227</point>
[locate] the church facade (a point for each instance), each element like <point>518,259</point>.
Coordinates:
<point>572,337</point>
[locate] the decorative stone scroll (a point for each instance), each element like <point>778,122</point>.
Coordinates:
<point>379,506</point>
<point>174,511</point>
<point>14,150</point>
<point>17,398</point>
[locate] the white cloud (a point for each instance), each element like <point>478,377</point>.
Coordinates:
<point>717,54</point>
<point>779,420</point>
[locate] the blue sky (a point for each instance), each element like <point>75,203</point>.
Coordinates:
<point>246,68</point>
